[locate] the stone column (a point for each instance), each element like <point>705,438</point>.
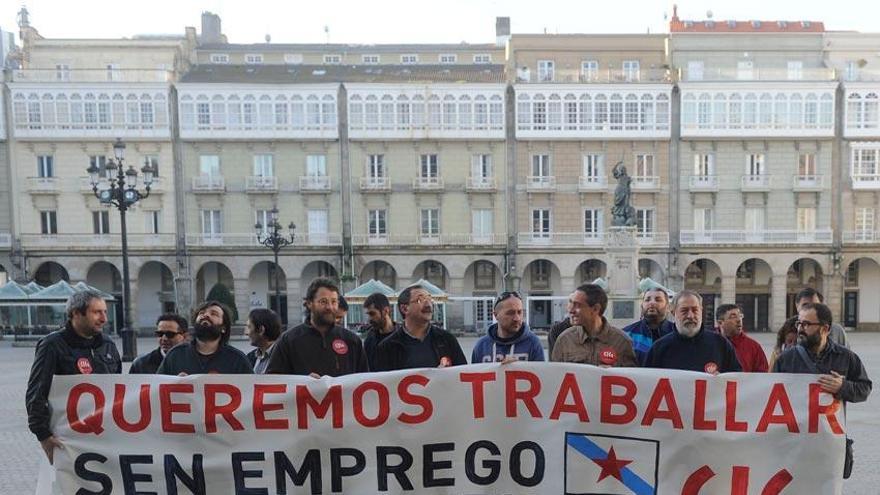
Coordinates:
<point>728,289</point>
<point>832,289</point>
<point>242,295</point>
<point>778,290</point>
<point>455,309</point>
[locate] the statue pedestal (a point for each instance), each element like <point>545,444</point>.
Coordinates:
<point>622,251</point>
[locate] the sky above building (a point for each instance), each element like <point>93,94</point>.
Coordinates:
<point>410,21</point>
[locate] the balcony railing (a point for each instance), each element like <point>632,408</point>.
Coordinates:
<point>574,239</point>
<point>592,183</point>
<point>44,185</point>
<point>753,74</point>
<point>261,184</point>
<point>703,183</point>
<point>428,239</point>
<point>86,241</point>
<point>645,183</point>
<point>598,76</point>
<point>540,183</point>
<point>756,183</point>
<point>250,240</point>
<point>428,184</point>
<point>808,183</point>
<point>738,237</point>
<point>375,184</point>
<point>314,183</point>
<point>481,184</point>
<point>208,183</point>
<point>861,237</point>
<point>91,75</point>
<point>865,181</point>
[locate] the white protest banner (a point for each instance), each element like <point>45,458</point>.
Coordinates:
<point>523,428</point>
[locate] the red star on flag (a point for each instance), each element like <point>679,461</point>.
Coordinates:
<point>611,466</point>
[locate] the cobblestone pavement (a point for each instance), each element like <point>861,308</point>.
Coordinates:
<point>20,452</point>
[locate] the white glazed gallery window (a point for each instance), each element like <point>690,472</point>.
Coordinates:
<point>704,164</point>
<point>48,222</point>
<point>293,58</point>
<point>482,221</point>
<point>806,220</point>
<point>704,219</point>
<point>62,72</point>
<point>631,70</point>
<point>546,70</point>
<point>755,164</point>
<point>316,165</point>
<point>590,70</point>
<point>264,165</point>
<point>807,165</point>
<point>376,166</point>
<point>45,166</point>
<point>644,166</point>
<point>219,58</point>
<point>541,223</point>
<point>593,167</point>
<point>264,218</point>
<point>593,223</point>
<point>253,58</point>
<point>429,222</point>
<point>333,59</point>
<point>754,219</point>
<point>429,167</point>
<point>377,225</point>
<point>209,165</point>
<point>212,225</point>
<point>448,58</point>
<point>101,222</point>
<point>865,222</point>
<point>541,166</point>
<point>152,221</point>
<point>409,59</point>
<point>695,70</point>
<point>482,58</point>
<point>318,225</point>
<point>370,59</point>
<point>645,222</point>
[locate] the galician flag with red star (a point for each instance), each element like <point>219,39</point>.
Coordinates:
<point>610,465</point>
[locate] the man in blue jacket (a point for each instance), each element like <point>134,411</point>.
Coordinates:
<point>509,338</point>
<point>653,325</point>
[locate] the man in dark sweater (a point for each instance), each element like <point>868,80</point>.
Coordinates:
<point>653,325</point>
<point>841,372</point>
<point>79,348</point>
<point>690,347</point>
<point>418,343</point>
<point>171,330</point>
<point>209,352</point>
<point>378,309</point>
<point>319,347</point>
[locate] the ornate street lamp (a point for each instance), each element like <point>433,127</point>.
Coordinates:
<point>122,193</point>
<point>272,238</point>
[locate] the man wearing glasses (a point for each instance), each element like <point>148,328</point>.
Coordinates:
<point>748,351</point>
<point>841,372</point>
<point>509,338</point>
<point>170,330</point>
<point>418,343</point>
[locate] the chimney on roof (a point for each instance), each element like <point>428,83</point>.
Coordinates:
<point>211,31</point>
<point>502,30</point>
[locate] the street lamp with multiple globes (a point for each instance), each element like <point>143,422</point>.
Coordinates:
<point>272,238</point>
<point>122,193</point>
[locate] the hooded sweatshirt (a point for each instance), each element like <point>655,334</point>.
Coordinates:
<point>524,345</point>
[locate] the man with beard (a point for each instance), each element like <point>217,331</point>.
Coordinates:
<point>509,338</point>
<point>653,325</point>
<point>263,328</point>
<point>378,309</point>
<point>209,351</point>
<point>79,348</point>
<point>418,343</point>
<point>171,330</point>
<point>751,356</point>
<point>319,346</point>
<point>690,347</point>
<point>591,339</point>
<point>841,372</point>
<point>811,295</point>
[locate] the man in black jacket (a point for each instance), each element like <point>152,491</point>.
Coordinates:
<point>418,343</point>
<point>78,348</point>
<point>171,330</point>
<point>378,310</point>
<point>319,346</point>
<point>209,351</point>
<point>841,372</point>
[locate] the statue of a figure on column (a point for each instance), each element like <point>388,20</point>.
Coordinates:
<point>623,214</point>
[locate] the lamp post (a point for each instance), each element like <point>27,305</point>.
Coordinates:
<point>122,193</point>
<point>273,239</point>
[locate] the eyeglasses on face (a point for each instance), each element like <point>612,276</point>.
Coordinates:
<point>805,323</point>
<point>168,334</point>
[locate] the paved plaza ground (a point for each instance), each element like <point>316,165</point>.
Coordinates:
<point>20,452</point>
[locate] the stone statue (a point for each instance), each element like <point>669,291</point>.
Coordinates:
<point>623,214</point>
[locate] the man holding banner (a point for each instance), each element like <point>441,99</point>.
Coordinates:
<point>691,347</point>
<point>79,348</point>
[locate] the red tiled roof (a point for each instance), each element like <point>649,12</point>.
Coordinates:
<point>677,25</point>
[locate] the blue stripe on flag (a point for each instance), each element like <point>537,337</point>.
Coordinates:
<point>589,449</point>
